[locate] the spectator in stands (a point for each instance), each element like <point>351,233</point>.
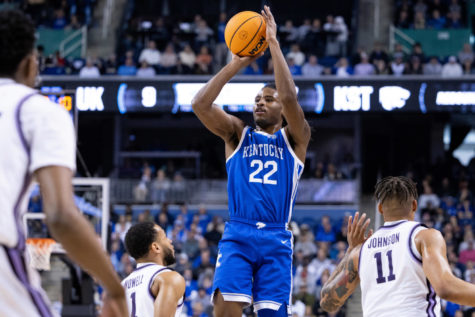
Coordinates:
<point>312,68</point>
<point>253,69</point>
<point>466,54</point>
<point>295,69</point>
<point>169,60</point>
<point>332,173</point>
<point>145,71</point>
<point>160,187</point>
<point>59,21</point>
<point>342,68</point>
<point>364,68</point>
<point>306,243</point>
<point>160,34</point>
<point>214,231</point>
<point>468,254</point>
<point>381,68</point>
<point>452,68</point>
<point>455,7</point>
<point>289,34</point>
<point>433,67</point>
<point>403,20</point>
<point>89,70</point>
<point>439,6</point>
<point>454,20</point>
<point>74,24</point>
<point>121,228</point>
<point>322,263</point>
<point>428,199</point>
<point>110,66</point>
<point>203,61</point>
<point>296,54</point>
<point>221,49</point>
<point>203,34</point>
<point>314,42</point>
<point>397,67</point>
<point>128,69</point>
<point>342,37</point>
<point>415,66</point>
<point>437,21</point>
<point>269,69</point>
<point>419,21</point>
<point>417,51</point>
<point>305,281</point>
<point>399,52</point>
<point>190,246</point>
<point>150,54</point>
<point>187,59</point>
<point>201,301</point>
<point>325,231</point>
<point>303,30</point>
<point>178,188</point>
<point>378,53</point>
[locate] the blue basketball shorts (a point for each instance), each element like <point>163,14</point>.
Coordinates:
<point>254,264</point>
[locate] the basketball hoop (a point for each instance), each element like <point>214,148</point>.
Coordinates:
<point>40,250</point>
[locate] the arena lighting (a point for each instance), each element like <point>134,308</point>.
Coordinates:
<point>237,96</point>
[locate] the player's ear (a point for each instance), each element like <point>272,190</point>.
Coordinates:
<point>380,208</point>
<point>414,205</point>
<point>155,247</point>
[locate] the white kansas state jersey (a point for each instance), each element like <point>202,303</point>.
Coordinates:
<point>34,133</point>
<point>140,299</point>
<point>390,270</point>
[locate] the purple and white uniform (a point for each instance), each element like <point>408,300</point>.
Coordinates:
<point>34,133</point>
<point>140,299</point>
<point>391,276</point>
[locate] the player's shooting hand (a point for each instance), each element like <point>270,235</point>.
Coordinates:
<point>271,27</point>
<point>114,306</point>
<point>245,61</point>
<point>356,230</point>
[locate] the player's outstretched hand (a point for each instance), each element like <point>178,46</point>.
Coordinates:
<point>114,306</point>
<point>271,27</point>
<point>356,230</point>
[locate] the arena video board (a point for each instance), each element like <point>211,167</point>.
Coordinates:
<point>175,94</point>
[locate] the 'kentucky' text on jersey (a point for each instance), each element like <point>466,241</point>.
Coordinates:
<point>263,174</point>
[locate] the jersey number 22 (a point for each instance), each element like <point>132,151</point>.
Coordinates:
<point>270,168</point>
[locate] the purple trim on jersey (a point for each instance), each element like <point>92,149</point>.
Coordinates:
<point>431,300</point>
<point>152,278</point>
<point>359,259</point>
<point>17,263</point>
<point>142,267</point>
<point>27,178</point>
<point>393,225</point>
<point>409,244</point>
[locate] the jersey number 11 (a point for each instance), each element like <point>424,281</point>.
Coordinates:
<point>379,263</point>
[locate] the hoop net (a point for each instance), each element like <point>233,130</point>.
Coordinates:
<point>40,250</point>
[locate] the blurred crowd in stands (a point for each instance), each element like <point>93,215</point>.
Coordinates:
<point>430,14</point>
<point>312,48</point>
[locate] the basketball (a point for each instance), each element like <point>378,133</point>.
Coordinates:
<point>245,34</point>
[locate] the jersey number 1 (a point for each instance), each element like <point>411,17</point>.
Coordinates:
<point>379,263</point>
<point>134,308</point>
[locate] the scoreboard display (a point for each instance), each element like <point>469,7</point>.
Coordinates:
<point>63,97</point>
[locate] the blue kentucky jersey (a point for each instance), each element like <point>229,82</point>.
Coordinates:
<point>263,174</point>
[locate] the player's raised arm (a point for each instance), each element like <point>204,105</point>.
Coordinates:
<point>77,236</point>
<point>297,126</point>
<point>344,280</point>
<point>169,287</point>
<point>224,125</point>
<point>437,269</point>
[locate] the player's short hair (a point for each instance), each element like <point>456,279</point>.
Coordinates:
<point>270,85</point>
<point>17,40</point>
<point>139,238</point>
<point>395,187</point>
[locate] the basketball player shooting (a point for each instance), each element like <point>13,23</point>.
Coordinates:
<point>152,289</point>
<point>402,268</point>
<point>264,165</point>
<point>37,141</point>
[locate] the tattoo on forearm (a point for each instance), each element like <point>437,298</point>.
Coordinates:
<point>336,289</point>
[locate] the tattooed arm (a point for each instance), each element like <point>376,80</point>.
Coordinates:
<point>344,280</point>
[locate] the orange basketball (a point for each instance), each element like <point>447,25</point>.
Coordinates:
<point>245,34</point>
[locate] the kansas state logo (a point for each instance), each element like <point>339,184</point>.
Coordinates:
<point>258,46</point>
